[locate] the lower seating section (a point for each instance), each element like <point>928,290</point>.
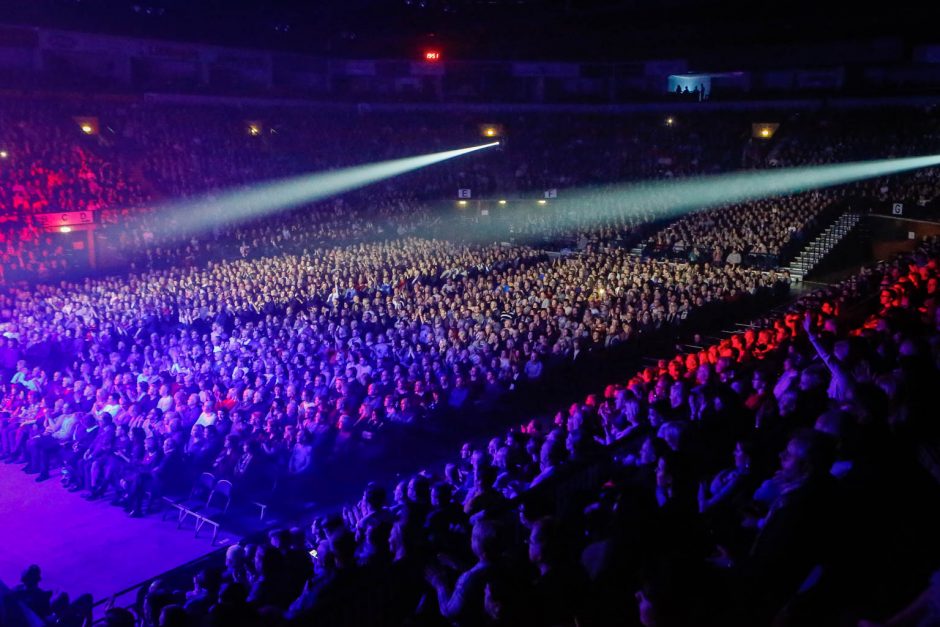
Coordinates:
<point>771,478</point>
<point>781,475</point>
<point>766,479</point>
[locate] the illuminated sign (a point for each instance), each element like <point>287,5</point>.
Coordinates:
<point>64,219</point>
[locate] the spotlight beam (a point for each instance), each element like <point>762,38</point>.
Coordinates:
<point>211,211</point>
<point>687,195</point>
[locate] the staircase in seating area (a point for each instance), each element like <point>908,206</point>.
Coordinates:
<point>816,250</point>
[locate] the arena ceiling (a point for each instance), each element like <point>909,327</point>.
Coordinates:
<point>483,29</point>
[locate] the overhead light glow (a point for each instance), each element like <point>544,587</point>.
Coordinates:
<point>764,130</point>
<point>670,121</point>
<point>4,154</point>
<point>88,129</point>
<point>462,203</point>
<point>542,202</point>
<point>491,129</point>
<point>65,229</point>
<point>502,202</point>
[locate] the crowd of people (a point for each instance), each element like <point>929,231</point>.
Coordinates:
<point>120,158</point>
<point>745,232</point>
<point>306,355</point>
<point>735,485</point>
<point>696,94</point>
<point>47,166</point>
<point>765,478</point>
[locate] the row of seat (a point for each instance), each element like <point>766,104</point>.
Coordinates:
<point>207,504</point>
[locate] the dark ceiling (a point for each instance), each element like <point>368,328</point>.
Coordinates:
<point>602,30</point>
